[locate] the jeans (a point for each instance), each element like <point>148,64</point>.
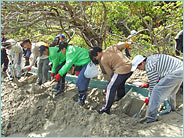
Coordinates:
<point>165,89</point>
<point>82,82</point>
<point>43,68</point>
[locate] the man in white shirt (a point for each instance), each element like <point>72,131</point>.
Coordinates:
<point>14,51</point>
<point>43,61</point>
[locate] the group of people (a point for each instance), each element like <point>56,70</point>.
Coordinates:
<point>113,62</point>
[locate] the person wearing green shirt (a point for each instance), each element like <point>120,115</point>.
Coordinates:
<point>79,57</point>
<point>58,60</point>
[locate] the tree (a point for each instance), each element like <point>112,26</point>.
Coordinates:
<point>98,23</point>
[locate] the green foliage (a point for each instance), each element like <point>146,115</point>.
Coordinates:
<point>78,41</point>
<point>122,17</point>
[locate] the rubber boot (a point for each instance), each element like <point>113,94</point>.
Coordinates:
<point>57,87</point>
<point>82,97</point>
<point>61,89</point>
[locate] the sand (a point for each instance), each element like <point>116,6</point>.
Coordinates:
<point>31,111</point>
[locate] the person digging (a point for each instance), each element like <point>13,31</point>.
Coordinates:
<point>170,71</point>
<point>114,63</point>
<point>75,56</point>
<point>58,59</point>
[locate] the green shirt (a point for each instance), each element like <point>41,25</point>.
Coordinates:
<point>55,58</point>
<point>75,55</point>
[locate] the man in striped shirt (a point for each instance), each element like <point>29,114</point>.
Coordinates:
<point>170,72</point>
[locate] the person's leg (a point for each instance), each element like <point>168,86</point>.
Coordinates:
<point>172,97</point>
<point>60,86</point>
<point>82,84</point>
<point>45,70</point>
<point>63,82</point>
<point>11,70</point>
<point>121,88</point>
<point>40,73</point>
<point>59,83</point>
<point>18,66</point>
<point>111,92</point>
<point>27,55</point>
<point>162,90</point>
<point>6,62</point>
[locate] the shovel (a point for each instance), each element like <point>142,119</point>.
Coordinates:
<point>138,115</point>
<point>47,84</point>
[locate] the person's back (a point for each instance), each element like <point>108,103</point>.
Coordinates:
<point>163,64</point>
<point>80,56</point>
<point>158,66</point>
<point>55,57</point>
<point>114,57</point>
<point>75,55</point>
<point>16,48</point>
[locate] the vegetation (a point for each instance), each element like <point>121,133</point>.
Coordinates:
<point>96,23</point>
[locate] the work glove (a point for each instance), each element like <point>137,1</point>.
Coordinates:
<point>29,68</point>
<point>146,101</point>
<point>131,41</point>
<point>158,80</point>
<point>144,86</point>
<point>128,43</point>
<point>52,75</point>
<point>58,77</point>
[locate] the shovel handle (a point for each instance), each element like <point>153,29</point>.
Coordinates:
<point>144,105</point>
<point>25,74</point>
<point>52,81</point>
<point>140,112</point>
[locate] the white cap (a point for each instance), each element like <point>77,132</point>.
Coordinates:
<point>132,33</point>
<point>136,61</point>
<point>12,41</point>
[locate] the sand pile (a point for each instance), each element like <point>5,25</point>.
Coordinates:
<point>31,111</point>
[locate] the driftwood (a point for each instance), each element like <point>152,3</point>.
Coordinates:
<point>28,80</point>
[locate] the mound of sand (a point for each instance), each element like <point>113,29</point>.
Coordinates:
<point>31,111</point>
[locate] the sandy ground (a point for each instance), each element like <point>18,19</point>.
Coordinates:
<point>30,111</point>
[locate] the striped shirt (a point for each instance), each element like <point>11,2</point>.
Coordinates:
<point>158,66</point>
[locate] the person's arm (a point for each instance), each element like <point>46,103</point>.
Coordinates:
<point>122,45</point>
<point>34,59</point>
<point>107,68</point>
<point>35,53</point>
<point>153,77</point>
<point>66,67</point>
